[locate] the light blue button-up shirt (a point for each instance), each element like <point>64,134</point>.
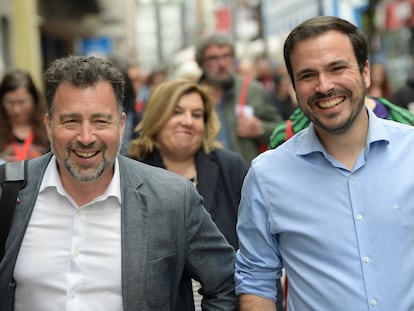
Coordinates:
<point>345,238</point>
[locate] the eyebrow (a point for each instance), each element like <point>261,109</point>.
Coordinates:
<point>329,65</point>
<point>79,116</point>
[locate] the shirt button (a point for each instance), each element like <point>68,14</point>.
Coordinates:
<point>373,302</point>
<point>359,217</point>
<point>351,177</point>
<point>366,259</point>
<point>76,254</point>
<point>72,296</point>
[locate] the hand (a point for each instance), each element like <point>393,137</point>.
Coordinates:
<point>249,127</point>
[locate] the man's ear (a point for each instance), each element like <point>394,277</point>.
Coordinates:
<point>366,73</point>
<point>47,121</point>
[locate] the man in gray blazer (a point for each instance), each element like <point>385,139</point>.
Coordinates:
<point>93,230</point>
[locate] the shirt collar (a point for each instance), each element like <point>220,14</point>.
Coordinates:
<point>376,133</point>
<point>52,179</point>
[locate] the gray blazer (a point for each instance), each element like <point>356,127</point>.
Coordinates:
<point>167,238</point>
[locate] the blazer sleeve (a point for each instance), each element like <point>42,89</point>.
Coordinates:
<point>210,259</point>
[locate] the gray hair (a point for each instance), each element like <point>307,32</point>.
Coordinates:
<point>214,39</point>
<point>82,72</point>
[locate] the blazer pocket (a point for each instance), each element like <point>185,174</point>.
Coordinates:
<point>159,281</point>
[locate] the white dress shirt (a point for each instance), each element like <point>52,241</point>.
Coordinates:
<point>70,258</point>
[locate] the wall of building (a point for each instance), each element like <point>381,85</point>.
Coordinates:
<point>280,17</point>
<point>19,37</point>
<point>26,38</point>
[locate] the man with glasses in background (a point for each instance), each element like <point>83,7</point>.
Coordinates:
<point>245,111</point>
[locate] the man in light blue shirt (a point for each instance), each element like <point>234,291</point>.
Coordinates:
<point>334,205</point>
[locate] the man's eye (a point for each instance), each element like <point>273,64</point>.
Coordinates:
<point>306,76</point>
<point>69,121</point>
<point>338,69</point>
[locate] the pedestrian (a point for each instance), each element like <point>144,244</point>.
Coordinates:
<point>380,81</point>
<point>283,95</point>
<point>94,230</point>
<point>404,95</point>
<point>178,132</point>
<point>22,132</point>
<point>246,114</point>
<point>332,205</point>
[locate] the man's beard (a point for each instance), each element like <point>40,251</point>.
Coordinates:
<point>216,81</point>
<point>76,172</point>
<point>357,106</point>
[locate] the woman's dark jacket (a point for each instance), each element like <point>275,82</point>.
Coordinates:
<point>220,177</point>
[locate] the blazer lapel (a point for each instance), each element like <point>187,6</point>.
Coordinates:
<point>134,239</point>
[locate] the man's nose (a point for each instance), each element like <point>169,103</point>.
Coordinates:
<point>324,83</point>
<point>86,134</point>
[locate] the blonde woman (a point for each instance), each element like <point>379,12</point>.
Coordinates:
<point>178,132</point>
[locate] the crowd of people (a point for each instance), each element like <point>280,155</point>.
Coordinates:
<point>151,190</point>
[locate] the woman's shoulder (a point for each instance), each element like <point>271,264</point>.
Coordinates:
<point>224,154</point>
<point>230,160</point>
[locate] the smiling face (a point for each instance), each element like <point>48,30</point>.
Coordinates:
<point>85,131</point>
<point>330,87</point>
<point>182,135</point>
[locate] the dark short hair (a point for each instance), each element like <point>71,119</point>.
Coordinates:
<point>82,72</point>
<point>214,39</point>
<point>319,25</point>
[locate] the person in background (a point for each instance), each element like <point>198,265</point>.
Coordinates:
<point>98,231</point>
<point>137,76</point>
<point>265,73</point>
<point>404,96</point>
<point>283,95</point>
<point>22,132</point>
<point>324,205</point>
<point>155,77</point>
<point>246,114</point>
<point>245,67</point>
<point>129,109</point>
<point>380,82</point>
<point>178,132</point>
